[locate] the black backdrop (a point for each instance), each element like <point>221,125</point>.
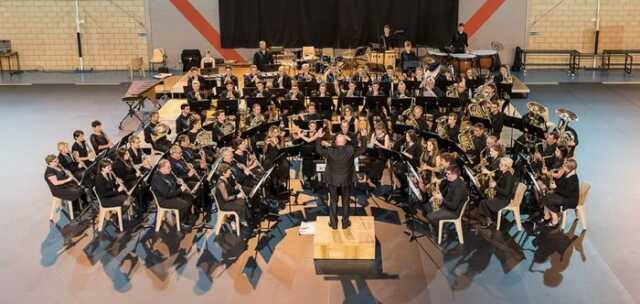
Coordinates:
<point>334,23</point>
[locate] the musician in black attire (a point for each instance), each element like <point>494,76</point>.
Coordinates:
<point>251,79</point>
<point>80,149</point>
<point>339,175</point>
<point>60,183</point>
<point>387,39</point>
<point>408,56</point>
<point>194,75</point>
<point>228,76</point>
<point>497,118</point>
<point>453,198</point>
<point>565,195</point>
<point>262,57</point>
<point>197,93</point>
<point>229,195</point>
<point>181,168</point>
<point>124,169</point>
<point>410,148</point>
<point>261,91</point>
<point>110,193</point>
<point>453,129</point>
<point>459,43</point>
<point>504,183</point>
<point>68,161</point>
<point>171,194</point>
<point>183,121</point>
<point>282,81</point>
<point>229,92</point>
<point>295,93</point>
<point>479,139</point>
<point>99,141</point>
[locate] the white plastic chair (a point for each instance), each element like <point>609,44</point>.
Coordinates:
<point>102,214</point>
<point>158,57</point>
<point>580,210</point>
<point>222,214</point>
<point>457,222</point>
<point>161,214</point>
<point>514,206</point>
<point>58,202</point>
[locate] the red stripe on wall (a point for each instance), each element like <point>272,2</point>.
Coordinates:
<point>481,16</point>
<point>204,27</point>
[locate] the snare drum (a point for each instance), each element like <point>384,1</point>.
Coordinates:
<point>462,62</point>
<point>438,56</point>
<point>486,58</point>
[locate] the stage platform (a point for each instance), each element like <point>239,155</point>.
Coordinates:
<point>357,242</point>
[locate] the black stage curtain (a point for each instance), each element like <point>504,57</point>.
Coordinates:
<point>334,23</point>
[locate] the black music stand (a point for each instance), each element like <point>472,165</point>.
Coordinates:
<point>262,101</point>
<point>306,87</point>
<point>248,91</point>
<point>259,129</point>
<point>200,105</point>
<point>401,104</point>
<point>428,103</point>
<point>291,106</point>
<point>354,102</point>
<point>375,104</point>
<point>229,106</point>
<point>324,105</point>
<point>278,92</point>
<point>412,85</point>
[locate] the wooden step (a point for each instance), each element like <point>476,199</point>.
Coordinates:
<point>357,242</point>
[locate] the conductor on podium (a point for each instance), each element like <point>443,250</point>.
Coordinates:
<point>339,174</point>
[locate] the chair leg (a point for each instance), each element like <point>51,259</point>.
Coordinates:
<point>177,220</point>
<point>159,216</point>
<point>119,212</point>
<point>219,219</point>
<point>499,219</point>
<point>237,218</point>
<point>581,213</point>
<point>70,206</point>
<point>564,218</point>
<point>458,224</point>
<point>131,72</point>
<point>440,224</point>
<point>101,215</point>
<point>54,207</point>
<point>516,215</point>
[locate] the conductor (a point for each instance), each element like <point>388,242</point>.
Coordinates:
<point>339,174</point>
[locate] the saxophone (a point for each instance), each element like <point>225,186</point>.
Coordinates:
<point>465,139</point>
<point>441,126</point>
<point>432,188</point>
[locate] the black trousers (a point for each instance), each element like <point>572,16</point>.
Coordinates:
<point>113,201</point>
<point>238,206</point>
<point>345,193</point>
<point>490,207</point>
<point>553,201</point>
<point>182,202</point>
<point>441,214</point>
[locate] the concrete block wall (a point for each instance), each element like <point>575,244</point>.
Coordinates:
<point>44,33</point>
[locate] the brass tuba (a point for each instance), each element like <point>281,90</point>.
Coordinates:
<point>477,110</point>
<point>538,115</point>
<point>566,117</point>
<point>441,126</point>
<point>465,139</point>
<point>160,131</point>
<point>204,139</point>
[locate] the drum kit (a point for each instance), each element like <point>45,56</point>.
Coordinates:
<point>483,59</point>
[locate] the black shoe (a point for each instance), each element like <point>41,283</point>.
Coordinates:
<point>333,225</point>
<point>346,224</point>
<point>185,227</point>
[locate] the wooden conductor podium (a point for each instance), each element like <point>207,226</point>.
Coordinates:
<point>357,242</point>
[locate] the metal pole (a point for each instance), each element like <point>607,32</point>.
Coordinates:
<point>78,35</point>
<point>597,38</point>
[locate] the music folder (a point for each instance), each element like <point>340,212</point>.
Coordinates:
<point>375,103</point>
<point>259,129</point>
<point>428,103</point>
<point>292,106</point>
<point>401,103</point>
<point>486,122</point>
<point>323,103</point>
<point>229,106</point>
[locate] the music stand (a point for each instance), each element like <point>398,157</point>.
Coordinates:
<point>278,92</point>
<point>306,87</point>
<point>375,103</point>
<point>428,103</point>
<point>291,106</point>
<point>401,104</point>
<point>412,85</point>
<point>264,178</point>
<point>324,105</point>
<point>354,102</point>
<point>262,101</point>
<point>200,105</point>
<point>229,106</point>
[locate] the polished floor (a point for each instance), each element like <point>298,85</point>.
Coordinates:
<point>601,265</point>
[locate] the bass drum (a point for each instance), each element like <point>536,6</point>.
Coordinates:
<point>486,58</point>
<point>463,62</point>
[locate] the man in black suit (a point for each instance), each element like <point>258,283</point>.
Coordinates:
<point>262,58</point>
<point>339,174</point>
<point>171,194</point>
<point>454,198</point>
<point>459,41</point>
<point>183,121</point>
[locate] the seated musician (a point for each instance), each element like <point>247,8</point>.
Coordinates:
<point>220,126</point>
<point>410,148</point>
<point>229,92</point>
<point>322,91</point>
<point>197,159</point>
<point>452,199</point>
<point>381,139</point>
<point>171,193</point>
<point>407,56</point>
<point>565,195</point>
<point>208,60</point>
<point>389,75</point>
<point>194,75</point>
<point>504,183</point>
<point>386,40</point>
<point>312,113</point>
<point>252,77</point>
<point>304,74</point>
<point>347,116</point>
<point>421,120</point>
<point>262,58</point>
<point>154,120</point>
<point>62,185</point>
<point>229,195</point>
<point>492,162</point>
<point>261,91</point>
<point>294,93</point>
<point>255,118</point>
<point>375,89</point>
<point>197,93</point>
<point>332,75</point>
<point>351,91</point>
<point>308,153</point>
<point>428,159</point>
<point>472,79</point>
<point>497,118</point>
<point>245,160</point>
<point>445,79</point>
<point>241,175</point>
<point>453,128</point>
<point>183,121</point>
<point>401,91</point>
<point>81,151</point>
<point>229,77</point>
<point>99,140</point>
<point>491,141</point>
<point>459,41</point>
<point>68,161</point>
<point>196,127</point>
<point>124,169</point>
<point>428,88</point>
<point>271,151</point>
<point>138,157</point>
<point>503,76</point>
<point>283,80</point>
<point>479,139</point>
<point>111,193</point>
<point>361,76</point>
<point>181,168</point>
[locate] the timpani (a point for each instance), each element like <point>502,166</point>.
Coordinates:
<point>390,58</point>
<point>486,58</point>
<point>438,56</point>
<point>462,62</point>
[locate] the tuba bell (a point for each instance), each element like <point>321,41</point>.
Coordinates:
<point>538,115</point>
<point>465,139</point>
<point>566,117</point>
<point>204,139</point>
<point>441,126</point>
<point>160,131</point>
